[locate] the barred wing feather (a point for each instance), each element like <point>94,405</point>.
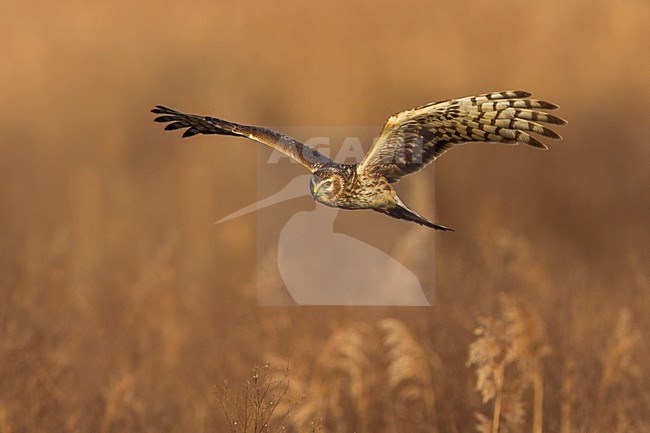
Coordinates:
<point>412,139</point>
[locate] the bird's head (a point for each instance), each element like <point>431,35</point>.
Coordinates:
<point>325,187</point>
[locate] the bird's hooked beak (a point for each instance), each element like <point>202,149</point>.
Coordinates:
<point>313,187</point>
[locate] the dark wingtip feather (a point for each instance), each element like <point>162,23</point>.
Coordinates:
<point>552,134</point>
<point>174,126</point>
<point>541,130</point>
<point>521,94</point>
<point>190,133</point>
<point>161,109</point>
<point>532,141</point>
<point>555,120</point>
<point>547,105</point>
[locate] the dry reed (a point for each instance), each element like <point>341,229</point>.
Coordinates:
<point>254,408</point>
<point>568,396</point>
<point>345,375</point>
<point>621,374</point>
<point>507,353</point>
<point>409,389</point>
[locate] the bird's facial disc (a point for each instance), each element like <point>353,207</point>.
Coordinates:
<point>324,190</point>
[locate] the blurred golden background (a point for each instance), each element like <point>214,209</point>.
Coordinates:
<point>122,304</point>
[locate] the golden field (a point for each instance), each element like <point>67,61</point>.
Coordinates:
<point>123,308</point>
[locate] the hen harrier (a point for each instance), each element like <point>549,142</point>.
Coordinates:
<point>408,142</point>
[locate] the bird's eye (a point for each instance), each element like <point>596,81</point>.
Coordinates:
<point>327,183</point>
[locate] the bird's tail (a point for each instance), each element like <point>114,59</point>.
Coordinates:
<point>400,211</point>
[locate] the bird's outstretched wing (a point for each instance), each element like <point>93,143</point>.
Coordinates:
<point>310,158</point>
<point>412,139</point>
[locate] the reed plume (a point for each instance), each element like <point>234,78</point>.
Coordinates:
<point>364,370</point>
<point>409,390</point>
<point>528,346</point>
<point>488,353</point>
<point>618,390</point>
<point>507,353</point>
<point>568,396</point>
<point>345,375</point>
<point>121,406</point>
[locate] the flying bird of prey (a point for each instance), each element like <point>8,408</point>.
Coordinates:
<point>408,142</point>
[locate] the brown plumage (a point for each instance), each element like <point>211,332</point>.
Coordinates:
<point>408,142</point>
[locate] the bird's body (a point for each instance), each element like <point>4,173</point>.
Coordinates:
<point>409,141</point>
<point>349,189</point>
